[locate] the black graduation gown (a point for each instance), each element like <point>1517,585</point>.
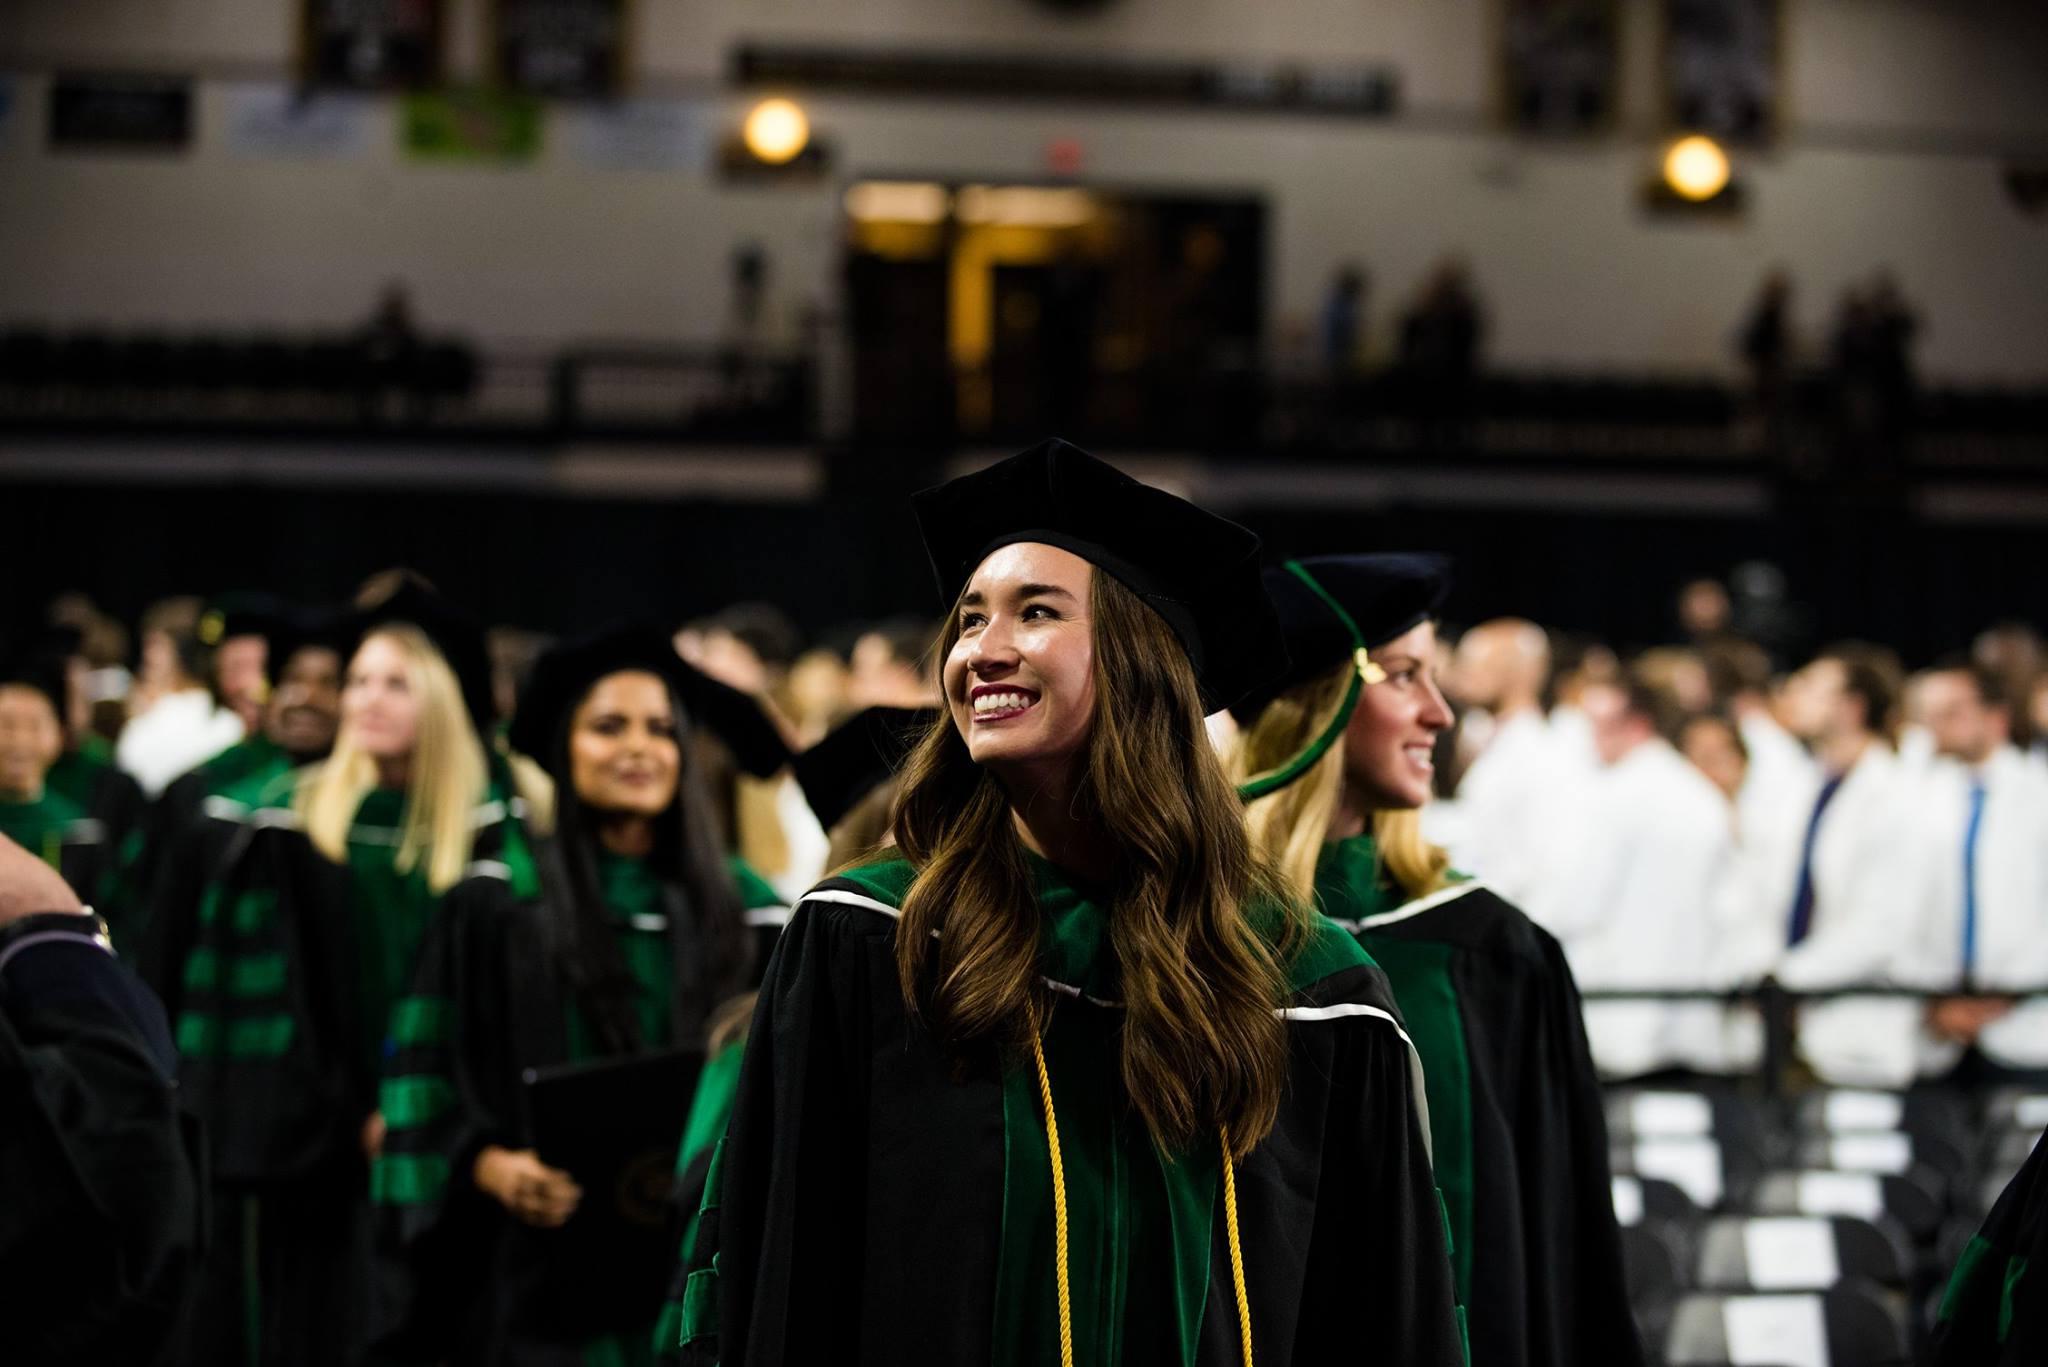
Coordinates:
<point>1995,1313</point>
<point>270,1031</point>
<point>459,1279</point>
<point>100,1186</point>
<point>857,1209</point>
<point>1515,1107</point>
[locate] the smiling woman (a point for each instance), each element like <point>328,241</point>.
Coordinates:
<point>635,929</point>
<point>1068,1081</point>
<point>294,988</point>
<point>1338,752</point>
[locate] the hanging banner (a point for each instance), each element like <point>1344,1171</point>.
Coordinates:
<point>120,113</point>
<point>568,49</point>
<point>643,135</point>
<point>477,126</point>
<point>1560,65</point>
<point>371,44</point>
<point>1720,66</point>
<point>272,120</point>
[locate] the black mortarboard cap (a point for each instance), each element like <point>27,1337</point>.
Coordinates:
<point>1382,595</point>
<point>1198,571</point>
<point>859,756</point>
<point>563,676</point>
<point>453,632</point>
<point>242,614</point>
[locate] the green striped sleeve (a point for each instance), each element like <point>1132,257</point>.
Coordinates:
<point>201,1034</point>
<point>409,1102</point>
<point>408,1179</point>
<point>419,1021</point>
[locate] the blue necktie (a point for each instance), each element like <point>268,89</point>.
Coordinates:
<point>1970,831</point>
<point>1802,901</point>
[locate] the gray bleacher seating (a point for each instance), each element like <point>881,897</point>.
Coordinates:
<point>1800,1253</point>
<point>1903,1198</point>
<point>1846,1326</point>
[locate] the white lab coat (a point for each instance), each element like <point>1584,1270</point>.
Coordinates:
<point>1644,905</point>
<point>179,731</point>
<point>1511,811</point>
<point>2012,903</point>
<point>1870,882</point>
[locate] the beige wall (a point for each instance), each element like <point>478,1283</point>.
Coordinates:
<point>1574,274</point>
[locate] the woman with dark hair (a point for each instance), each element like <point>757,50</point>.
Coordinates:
<point>638,927</point>
<point>1335,756</point>
<point>1067,1081</point>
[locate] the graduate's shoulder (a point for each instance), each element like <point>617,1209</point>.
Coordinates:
<point>1466,915</point>
<point>882,882</point>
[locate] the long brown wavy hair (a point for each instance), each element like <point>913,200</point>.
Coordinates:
<point>1201,1044</point>
<point>1290,827</point>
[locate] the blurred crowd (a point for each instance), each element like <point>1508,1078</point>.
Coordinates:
<point>1702,818</point>
<point>1698,818</point>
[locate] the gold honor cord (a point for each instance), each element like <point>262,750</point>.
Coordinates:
<point>1364,671</point>
<point>1059,1221</point>
<point>1059,1204</point>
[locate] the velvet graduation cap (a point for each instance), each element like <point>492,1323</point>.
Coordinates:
<point>286,628</point>
<point>1334,608</point>
<point>453,632</point>
<point>857,757</point>
<point>1198,571</point>
<point>564,675</point>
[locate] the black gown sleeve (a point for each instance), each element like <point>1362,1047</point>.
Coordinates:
<point>1577,1300</point>
<point>785,1191</point>
<point>449,1089</point>
<point>1338,1209</point>
<point>99,1172</point>
<point>1995,1312</point>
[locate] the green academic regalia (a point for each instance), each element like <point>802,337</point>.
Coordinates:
<point>295,981</point>
<point>489,971</point>
<point>1995,1313</point>
<point>61,834</point>
<point>877,1199</point>
<point>1514,1109</point>
<point>88,776</point>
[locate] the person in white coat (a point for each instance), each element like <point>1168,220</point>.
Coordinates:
<point>1851,884</point>
<point>1985,930</point>
<point>1644,902</point>
<point>1509,806</point>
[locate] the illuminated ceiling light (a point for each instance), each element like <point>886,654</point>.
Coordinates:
<point>1696,168</point>
<point>777,131</point>
<point>896,201</point>
<point>1025,206</point>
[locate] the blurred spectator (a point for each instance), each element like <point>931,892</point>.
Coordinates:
<point>1440,342</point>
<point>1843,898</point>
<point>1779,772</point>
<point>388,346</point>
<point>1765,345</point>
<point>818,683</point>
<point>2037,717</point>
<point>1705,612</point>
<point>179,722</point>
<point>892,665</point>
<point>513,651</point>
<point>1500,668</point>
<point>1680,675</point>
<point>103,645</point>
<point>1713,743</point>
<point>1638,908</point>
<point>1985,810</point>
<point>2014,655</point>
<point>1343,321</point>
